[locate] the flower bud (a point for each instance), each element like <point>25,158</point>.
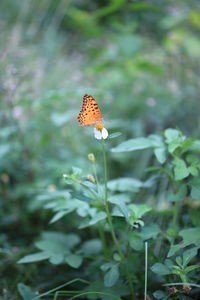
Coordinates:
<point>91,157</point>
<point>91,178</point>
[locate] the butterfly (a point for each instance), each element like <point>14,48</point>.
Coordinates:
<point>90,112</point>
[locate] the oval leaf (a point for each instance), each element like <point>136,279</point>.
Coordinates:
<point>111,276</point>
<point>125,184</point>
<point>133,145</point>
<point>160,269</point>
<point>34,257</point>
<point>25,291</point>
<point>74,261</point>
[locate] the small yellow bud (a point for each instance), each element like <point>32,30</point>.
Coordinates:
<point>91,178</point>
<point>187,288</point>
<point>91,157</point>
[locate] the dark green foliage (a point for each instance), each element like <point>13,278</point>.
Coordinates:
<point>140,60</point>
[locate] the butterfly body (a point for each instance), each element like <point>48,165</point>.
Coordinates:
<point>90,112</point>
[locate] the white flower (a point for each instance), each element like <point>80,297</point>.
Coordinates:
<point>100,132</point>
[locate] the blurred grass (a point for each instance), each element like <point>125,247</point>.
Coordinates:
<point>141,61</point>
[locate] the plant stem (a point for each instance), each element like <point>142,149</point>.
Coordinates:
<point>107,203</point>
<point>100,228</point>
<point>95,175</point>
<point>130,282</point>
<point>105,170</point>
<point>117,245</point>
<point>103,240</point>
<point>177,206</point>
<point>146,268</point>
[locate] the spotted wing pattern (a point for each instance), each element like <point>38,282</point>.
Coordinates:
<point>90,112</point>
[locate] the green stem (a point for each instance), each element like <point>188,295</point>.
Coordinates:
<point>61,286</point>
<point>175,216</point>
<point>100,228</point>
<point>130,282</point>
<point>107,203</point>
<point>183,278</point>
<point>103,240</point>
<point>117,245</point>
<point>129,278</point>
<point>105,170</point>
<point>89,189</point>
<point>95,175</point>
<point>146,269</point>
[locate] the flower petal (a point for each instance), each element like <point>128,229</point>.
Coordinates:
<point>104,133</point>
<point>97,134</point>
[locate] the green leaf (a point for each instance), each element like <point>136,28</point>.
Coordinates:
<point>125,184</point>
<point>174,139</point>
<point>106,266</point>
<point>187,144</point>
<point>133,145</point>
<point>195,217</point>
<point>193,171</point>
<point>161,269</point>
<point>138,210</point>
<point>73,260</point>
<point>181,170</point>
<point>169,263</point>
<point>57,242</point>
<point>111,276</point>
<point>4,149</point>
<point>174,248</point>
<point>8,131</point>
<point>59,215</point>
<point>135,241</point>
<point>150,231</point>
<point>179,195</point>
<point>177,270</point>
<point>117,257</point>
<point>159,148</point>
<point>188,255</point>
<point>34,257</point>
<point>191,268</point>
<point>160,295</point>
<point>98,217</point>
<point>114,135</point>
<point>190,236</point>
<point>195,185</point>
<point>120,196</point>
<point>195,146</point>
<point>56,258</point>
<point>92,247</point>
<point>25,291</point>
<point>76,171</point>
<point>160,154</point>
<point>179,261</point>
<point>121,205</point>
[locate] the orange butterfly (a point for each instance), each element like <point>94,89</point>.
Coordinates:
<point>90,112</point>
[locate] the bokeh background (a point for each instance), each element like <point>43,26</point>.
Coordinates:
<point>139,59</point>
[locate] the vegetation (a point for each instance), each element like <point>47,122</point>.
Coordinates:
<point>83,218</point>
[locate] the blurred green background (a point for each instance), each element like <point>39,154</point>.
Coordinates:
<point>139,59</point>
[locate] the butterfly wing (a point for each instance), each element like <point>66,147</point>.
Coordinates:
<point>90,112</point>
